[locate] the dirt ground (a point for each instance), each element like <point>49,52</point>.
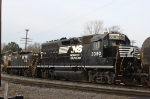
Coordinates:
<point>31,92</point>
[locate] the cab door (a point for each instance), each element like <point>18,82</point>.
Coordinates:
<point>105,48</point>
<point>96,53</point>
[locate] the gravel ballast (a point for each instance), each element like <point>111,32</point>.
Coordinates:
<point>31,92</point>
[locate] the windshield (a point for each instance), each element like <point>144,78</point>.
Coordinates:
<point>117,42</point>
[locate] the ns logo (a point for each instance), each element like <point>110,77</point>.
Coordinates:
<point>77,49</point>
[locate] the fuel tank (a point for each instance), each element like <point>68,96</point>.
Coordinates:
<point>145,54</point>
<point>72,75</point>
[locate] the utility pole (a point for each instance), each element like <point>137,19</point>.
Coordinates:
<point>26,39</point>
<point>1,38</point>
<point>133,41</point>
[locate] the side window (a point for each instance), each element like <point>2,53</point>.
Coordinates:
<point>96,45</point>
<point>4,57</point>
<point>105,43</point>
<point>112,43</point>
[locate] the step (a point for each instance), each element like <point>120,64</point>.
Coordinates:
<point>118,80</point>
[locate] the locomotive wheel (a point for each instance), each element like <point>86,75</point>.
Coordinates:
<point>25,73</point>
<point>145,85</point>
<point>44,75</point>
<point>11,72</point>
<point>109,83</point>
<point>52,75</point>
<point>117,83</point>
<point>94,80</point>
<point>144,82</point>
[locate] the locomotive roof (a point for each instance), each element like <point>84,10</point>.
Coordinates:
<point>95,37</point>
<point>98,37</point>
<point>59,40</point>
<point>25,52</point>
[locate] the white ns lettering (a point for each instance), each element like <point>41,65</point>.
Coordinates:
<point>77,49</point>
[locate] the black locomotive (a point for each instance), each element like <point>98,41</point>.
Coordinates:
<point>101,58</point>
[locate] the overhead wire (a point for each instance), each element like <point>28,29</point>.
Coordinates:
<point>13,33</point>
<point>110,11</point>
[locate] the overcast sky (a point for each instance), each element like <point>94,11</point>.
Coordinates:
<point>52,19</point>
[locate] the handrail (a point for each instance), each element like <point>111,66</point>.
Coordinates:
<point>116,58</point>
<point>121,63</point>
<point>35,65</point>
<point>143,63</point>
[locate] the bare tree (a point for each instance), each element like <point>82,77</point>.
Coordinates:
<point>114,28</point>
<point>34,47</point>
<point>93,27</point>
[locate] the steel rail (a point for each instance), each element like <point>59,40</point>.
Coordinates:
<point>79,88</point>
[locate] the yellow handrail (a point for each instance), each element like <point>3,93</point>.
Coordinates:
<point>5,64</point>
<point>35,65</point>
<point>143,63</point>
<point>116,58</point>
<point>121,63</point>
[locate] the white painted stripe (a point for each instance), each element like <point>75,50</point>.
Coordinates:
<point>63,50</point>
<point>110,67</point>
<point>19,66</point>
<point>128,51</point>
<point>72,66</point>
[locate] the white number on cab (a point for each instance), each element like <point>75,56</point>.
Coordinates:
<point>96,54</point>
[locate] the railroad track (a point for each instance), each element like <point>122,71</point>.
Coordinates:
<point>79,88</point>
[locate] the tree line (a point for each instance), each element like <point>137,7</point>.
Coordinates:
<point>14,47</point>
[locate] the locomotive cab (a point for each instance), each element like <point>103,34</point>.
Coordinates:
<point>104,48</point>
<point>112,52</point>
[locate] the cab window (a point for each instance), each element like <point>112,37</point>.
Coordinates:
<point>116,42</point>
<point>112,43</point>
<point>106,43</point>
<point>96,45</point>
